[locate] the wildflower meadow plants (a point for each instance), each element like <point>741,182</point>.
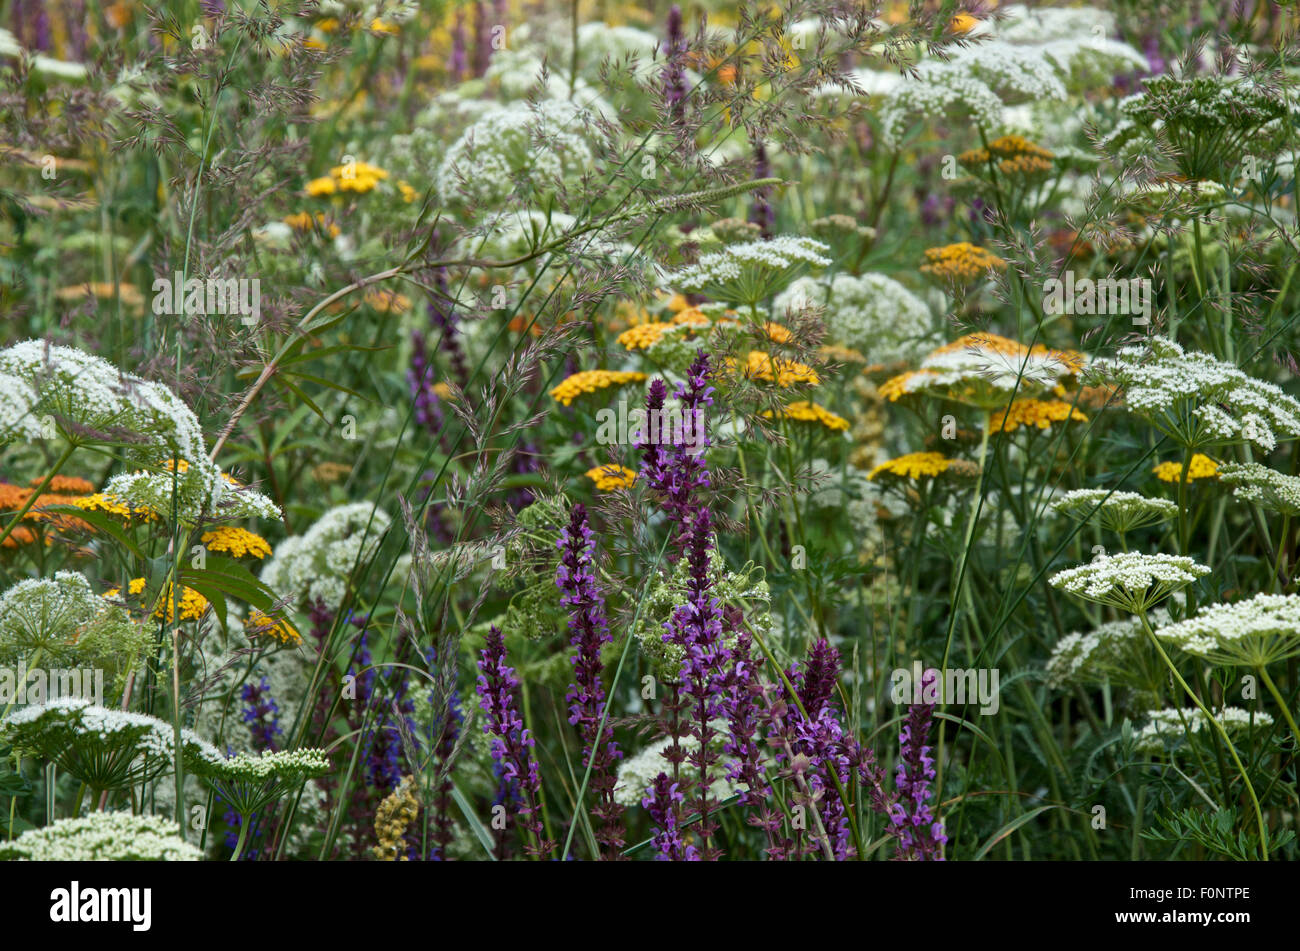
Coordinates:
<point>525,431</point>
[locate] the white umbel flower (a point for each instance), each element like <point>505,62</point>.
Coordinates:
<point>1267,488</point>
<point>751,272</point>
<point>1129,580</point>
<point>871,313</point>
<point>1251,633</point>
<point>1165,730</point>
<point>317,565</point>
<point>1117,511</point>
<point>102,837</point>
<point>1198,400</point>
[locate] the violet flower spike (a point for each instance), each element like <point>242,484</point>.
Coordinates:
<point>512,743</point>
<point>586,696</point>
<point>920,834</point>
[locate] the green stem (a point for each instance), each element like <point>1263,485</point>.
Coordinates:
<point>1218,727</point>
<point>1281,702</point>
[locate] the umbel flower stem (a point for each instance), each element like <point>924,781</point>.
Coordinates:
<point>976,500</point>
<point>244,823</point>
<point>1281,702</point>
<point>1218,727</point>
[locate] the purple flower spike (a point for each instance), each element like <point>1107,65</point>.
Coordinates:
<point>663,802</point>
<point>920,834</point>
<point>586,696</point>
<point>512,743</point>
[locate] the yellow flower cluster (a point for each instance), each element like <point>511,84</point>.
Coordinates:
<point>776,333</point>
<point>692,317</point>
<point>643,336</point>
<point>193,604</point>
<point>387,302</point>
<point>914,465</point>
<point>305,221</point>
<point>1040,413</point>
<point>260,623</point>
<point>961,262</point>
<point>589,381</point>
<point>809,412</point>
<point>100,502</point>
<point>236,542</point>
<point>1203,467</point>
<point>784,373</point>
<point>359,177</point>
<point>611,477</point>
<point>835,352</point>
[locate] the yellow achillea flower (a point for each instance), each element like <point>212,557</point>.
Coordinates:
<point>387,302</point>
<point>1025,165</point>
<point>643,336</point>
<point>678,302</point>
<point>319,187</point>
<point>589,381</point>
<point>305,221</point>
<point>1040,413</point>
<point>100,502</point>
<point>611,477</point>
<point>236,542</point>
<point>66,485</point>
<point>408,193</point>
<point>784,373</point>
<point>914,465</point>
<point>842,354</point>
<point>193,604</point>
<point>128,294</point>
<point>382,26</point>
<point>961,262</point>
<point>263,624</point>
<point>809,412</point>
<point>443,390</point>
<point>1203,467</point>
<point>692,316</point>
<point>1006,147</point>
<point>359,177</point>
<point>19,536</point>
<point>962,23</point>
<point>776,333</point>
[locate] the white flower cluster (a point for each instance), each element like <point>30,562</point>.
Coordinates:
<point>1266,487</point>
<point>1199,400</point>
<point>1251,633</point>
<point>102,837</point>
<point>281,765</point>
<point>80,735</point>
<point>750,272</point>
<point>995,374</point>
<point>854,497</point>
<point>46,613</point>
<point>517,145</point>
<point>871,313</point>
<point>1103,654</point>
<point>637,773</point>
<point>153,492</point>
<point>44,385</point>
<point>1116,511</point>
<point>1129,580</point>
<point>1031,56</point>
<point>1165,729</point>
<point>316,565</point>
